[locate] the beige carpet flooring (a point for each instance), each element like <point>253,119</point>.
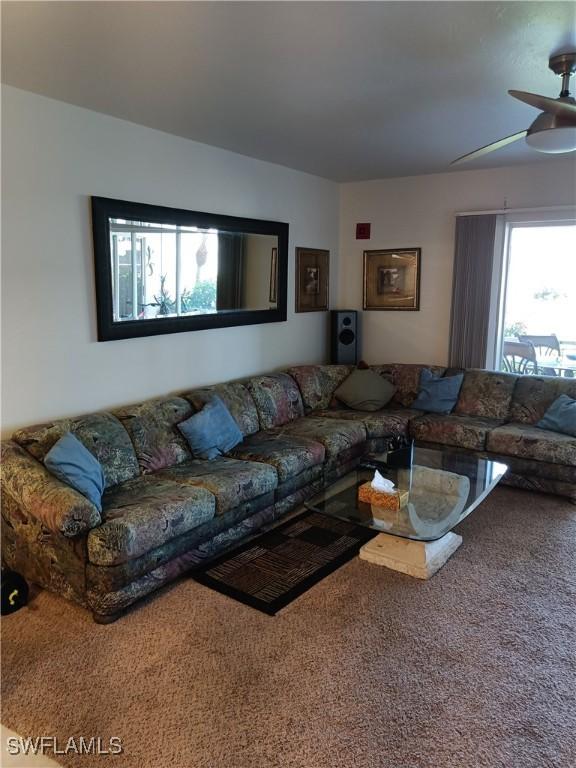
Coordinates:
<point>369,669</point>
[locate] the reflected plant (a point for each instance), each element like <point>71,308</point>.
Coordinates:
<point>202,296</point>
<point>166,305</point>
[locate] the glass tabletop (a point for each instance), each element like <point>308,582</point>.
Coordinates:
<point>437,492</point>
<point>565,365</point>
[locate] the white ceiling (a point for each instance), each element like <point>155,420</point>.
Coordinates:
<point>345,90</point>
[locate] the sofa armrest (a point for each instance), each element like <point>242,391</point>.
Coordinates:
<point>53,503</point>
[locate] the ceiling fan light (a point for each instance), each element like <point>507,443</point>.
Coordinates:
<point>553,141</point>
<point>552,134</point>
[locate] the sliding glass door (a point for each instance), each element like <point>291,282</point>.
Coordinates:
<point>537,317</point>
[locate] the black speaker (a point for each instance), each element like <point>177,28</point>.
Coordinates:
<point>344,336</point>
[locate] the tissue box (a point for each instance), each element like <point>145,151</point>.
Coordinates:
<point>390,502</point>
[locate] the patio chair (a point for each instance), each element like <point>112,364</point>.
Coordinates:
<point>546,347</point>
<point>519,357</point>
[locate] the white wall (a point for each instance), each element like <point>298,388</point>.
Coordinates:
<point>54,157</point>
<point>418,211</point>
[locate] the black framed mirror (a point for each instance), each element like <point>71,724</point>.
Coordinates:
<point>166,270</point>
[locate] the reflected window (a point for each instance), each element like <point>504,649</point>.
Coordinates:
<point>161,271</point>
<point>169,271</point>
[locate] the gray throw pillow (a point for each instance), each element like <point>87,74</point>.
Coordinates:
<point>438,394</point>
<point>365,390</point>
<point>560,416</point>
<point>72,463</point>
<point>212,431</point>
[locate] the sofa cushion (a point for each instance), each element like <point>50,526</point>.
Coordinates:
<point>336,435</point>
<point>533,395</point>
<point>530,442</point>
<point>288,454</point>
<point>101,433</point>
<point>277,399</point>
<point>406,379</point>
<point>365,390</point>
<point>318,382</point>
<point>533,468</point>
<point>235,397</point>
<point>212,431</point>
<point>143,514</point>
<point>452,429</point>
<point>200,543</point>
<point>232,481</point>
<point>152,427</point>
<point>486,393</point>
<point>312,477</point>
<point>389,422</point>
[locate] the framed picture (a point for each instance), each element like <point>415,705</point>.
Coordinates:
<point>273,276</point>
<point>312,279</point>
<point>392,279</point>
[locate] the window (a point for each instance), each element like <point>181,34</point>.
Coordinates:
<point>537,329</point>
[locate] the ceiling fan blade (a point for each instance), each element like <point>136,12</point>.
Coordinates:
<point>546,104</point>
<point>489,148</point>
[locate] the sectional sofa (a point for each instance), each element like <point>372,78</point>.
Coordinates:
<point>164,511</point>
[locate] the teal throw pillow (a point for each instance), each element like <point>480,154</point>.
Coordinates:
<point>560,416</point>
<point>70,461</point>
<point>212,431</point>
<point>365,390</point>
<point>438,394</point>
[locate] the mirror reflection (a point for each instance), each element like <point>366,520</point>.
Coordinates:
<point>166,270</point>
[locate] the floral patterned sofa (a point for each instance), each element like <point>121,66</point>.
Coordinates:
<point>164,511</point>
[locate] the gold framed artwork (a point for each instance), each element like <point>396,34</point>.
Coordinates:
<point>312,279</point>
<point>273,276</point>
<point>392,279</point>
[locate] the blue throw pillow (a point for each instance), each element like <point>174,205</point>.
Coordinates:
<point>72,462</point>
<point>438,394</point>
<point>561,416</point>
<point>212,431</point>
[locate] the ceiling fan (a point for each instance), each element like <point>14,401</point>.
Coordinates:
<point>554,130</point>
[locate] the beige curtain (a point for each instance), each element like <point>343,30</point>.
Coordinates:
<point>471,288</point>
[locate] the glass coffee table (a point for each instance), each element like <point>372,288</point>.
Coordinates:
<point>438,491</point>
